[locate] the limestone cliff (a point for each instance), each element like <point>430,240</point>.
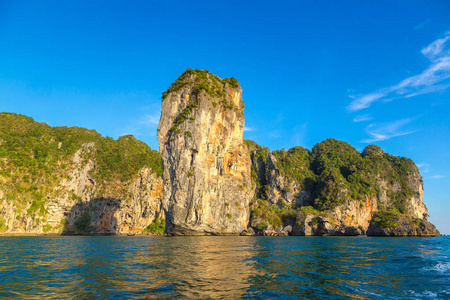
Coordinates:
<point>335,190</point>
<point>72,180</point>
<point>391,224</point>
<point>206,180</point>
<point>206,165</point>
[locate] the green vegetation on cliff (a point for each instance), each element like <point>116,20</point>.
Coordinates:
<point>334,173</point>
<point>3,227</point>
<point>391,219</point>
<point>200,81</point>
<point>204,81</point>
<point>157,227</point>
<point>35,158</point>
<point>181,118</point>
<point>271,214</point>
<point>296,164</point>
<point>123,158</point>
<point>84,221</point>
<point>340,174</point>
<point>387,219</point>
<point>259,168</point>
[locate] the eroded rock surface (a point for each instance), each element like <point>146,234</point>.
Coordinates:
<point>335,190</point>
<point>404,227</point>
<point>113,207</point>
<point>74,181</point>
<point>206,165</point>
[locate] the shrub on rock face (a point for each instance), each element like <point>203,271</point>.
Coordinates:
<point>271,214</point>
<point>157,227</point>
<point>386,219</point>
<point>83,222</point>
<point>201,81</point>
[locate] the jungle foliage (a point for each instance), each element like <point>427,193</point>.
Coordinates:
<point>202,80</point>
<point>35,158</point>
<point>334,172</point>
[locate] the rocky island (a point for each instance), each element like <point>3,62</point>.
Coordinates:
<point>206,179</point>
<point>207,185</point>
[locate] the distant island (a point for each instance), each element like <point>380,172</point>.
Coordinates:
<point>205,179</point>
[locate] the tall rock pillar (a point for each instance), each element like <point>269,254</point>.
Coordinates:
<point>207,184</point>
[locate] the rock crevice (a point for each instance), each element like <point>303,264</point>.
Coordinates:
<point>206,164</point>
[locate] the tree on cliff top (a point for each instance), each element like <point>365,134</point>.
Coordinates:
<point>202,80</point>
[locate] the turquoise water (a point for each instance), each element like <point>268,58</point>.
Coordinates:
<point>225,267</point>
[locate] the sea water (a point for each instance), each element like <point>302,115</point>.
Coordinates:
<point>141,267</point>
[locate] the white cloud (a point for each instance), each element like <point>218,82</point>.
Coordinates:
<point>150,120</point>
<point>146,125</point>
<point>435,177</point>
<point>362,118</point>
<point>428,90</point>
<point>424,168</point>
<point>365,101</point>
<point>435,48</point>
<point>247,128</point>
<point>421,165</point>
<point>426,82</point>
<point>385,131</point>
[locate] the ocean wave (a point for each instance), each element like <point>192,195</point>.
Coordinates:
<point>439,267</point>
<point>423,295</point>
<point>428,294</point>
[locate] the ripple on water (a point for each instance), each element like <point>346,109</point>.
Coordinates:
<point>224,267</point>
<point>439,267</point>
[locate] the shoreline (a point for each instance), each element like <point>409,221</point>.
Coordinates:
<point>217,235</point>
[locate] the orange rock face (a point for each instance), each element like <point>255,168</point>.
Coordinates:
<point>207,185</point>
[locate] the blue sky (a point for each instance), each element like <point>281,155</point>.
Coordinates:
<point>359,71</point>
